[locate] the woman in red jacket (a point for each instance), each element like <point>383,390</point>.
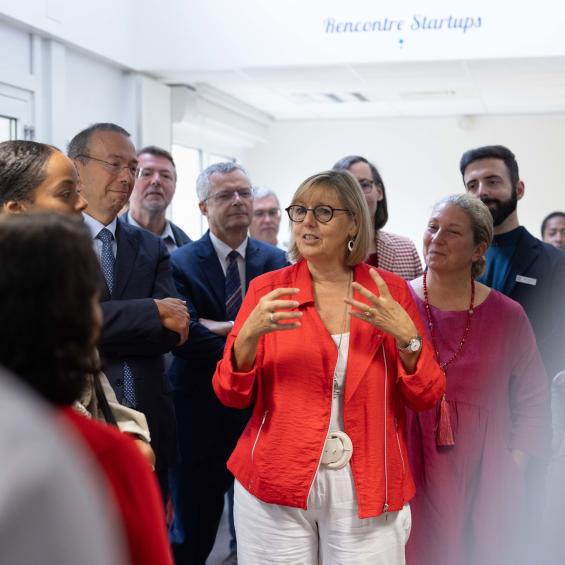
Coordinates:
<point>330,353</point>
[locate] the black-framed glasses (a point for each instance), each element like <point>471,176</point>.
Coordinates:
<point>271,212</point>
<point>229,195</point>
<point>322,213</point>
<point>112,167</point>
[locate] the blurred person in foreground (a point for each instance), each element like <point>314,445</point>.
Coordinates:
<point>49,325</point>
<point>394,253</point>
<point>329,353</point>
<point>469,453</point>
<point>36,177</point>
<point>553,229</point>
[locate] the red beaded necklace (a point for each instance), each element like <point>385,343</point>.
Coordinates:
<point>444,364</point>
<point>444,431</point>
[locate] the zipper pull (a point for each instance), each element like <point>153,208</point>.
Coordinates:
<point>385,511</point>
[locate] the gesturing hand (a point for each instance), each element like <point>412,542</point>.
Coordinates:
<point>386,313</point>
<point>271,314</point>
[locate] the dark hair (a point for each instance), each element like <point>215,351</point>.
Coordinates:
<point>381,215</point>
<point>157,152</point>
<point>49,279</point>
<point>22,168</point>
<point>492,152</point>
<point>550,217</point>
<point>79,143</point>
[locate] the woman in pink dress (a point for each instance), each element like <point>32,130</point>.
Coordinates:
<point>469,453</point>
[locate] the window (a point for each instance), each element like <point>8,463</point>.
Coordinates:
<point>7,128</point>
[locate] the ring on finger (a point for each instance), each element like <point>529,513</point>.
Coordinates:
<point>272,318</point>
<point>368,313</point>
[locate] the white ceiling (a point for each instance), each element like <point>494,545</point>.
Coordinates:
<point>505,86</point>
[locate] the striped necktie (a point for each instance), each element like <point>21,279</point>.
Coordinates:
<point>107,262</point>
<point>233,287</point>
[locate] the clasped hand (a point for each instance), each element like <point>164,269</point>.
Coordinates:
<point>174,316</point>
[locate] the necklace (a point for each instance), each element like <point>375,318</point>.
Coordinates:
<point>444,364</point>
<point>444,431</point>
<point>337,390</point>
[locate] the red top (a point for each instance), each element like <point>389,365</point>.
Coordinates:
<point>277,456</point>
<point>135,490</point>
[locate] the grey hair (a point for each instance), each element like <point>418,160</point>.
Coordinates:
<point>79,143</point>
<point>481,223</point>
<point>260,192</point>
<point>203,180</point>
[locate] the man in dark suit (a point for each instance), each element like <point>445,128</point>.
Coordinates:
<point>142,318</point>
<point>204,272</point>
<point>152,193</point>
<point>518,264</point>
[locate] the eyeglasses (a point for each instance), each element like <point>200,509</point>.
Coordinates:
<point>367,185</point>
<point>229,195</point>
<point>322,213</point>
<point>112,168</point>
<point>146,173</point>
<point>271,212</point>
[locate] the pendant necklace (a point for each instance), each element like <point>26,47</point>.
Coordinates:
<point>444,431</point>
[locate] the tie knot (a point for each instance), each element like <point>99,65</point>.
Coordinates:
<point>232,256</point>
<point>105,235</point>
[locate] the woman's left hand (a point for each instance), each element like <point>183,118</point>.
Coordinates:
<point>386,313</point>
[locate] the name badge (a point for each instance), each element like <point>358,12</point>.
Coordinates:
<point>526,280</point>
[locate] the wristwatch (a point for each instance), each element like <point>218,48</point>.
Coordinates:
<point>413,345</point>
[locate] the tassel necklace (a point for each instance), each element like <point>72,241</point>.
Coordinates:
<point>444,431</point>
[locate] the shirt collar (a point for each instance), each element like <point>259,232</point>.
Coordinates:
<point>95,226</point>
<point>166,233</point>
<point>223,250</point>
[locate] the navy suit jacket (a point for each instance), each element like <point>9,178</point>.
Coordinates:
<point>132,331</point>
<point>199,278</point>
<point>544,301</point>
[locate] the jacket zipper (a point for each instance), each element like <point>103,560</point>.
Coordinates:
<point>258,434</point>
<point>399,448</point>
<point>385,507</point>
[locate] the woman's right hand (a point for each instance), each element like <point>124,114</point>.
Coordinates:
<point>271,314</point>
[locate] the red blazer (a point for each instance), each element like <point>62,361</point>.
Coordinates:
<point>277,456</point>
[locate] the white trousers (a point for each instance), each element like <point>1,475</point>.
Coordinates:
<point>329,532</point>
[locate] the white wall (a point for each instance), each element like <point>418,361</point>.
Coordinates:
<point>418,160</point>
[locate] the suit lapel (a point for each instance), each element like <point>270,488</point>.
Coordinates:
<point>254,262</point>
<point>527,252</point>
<point>211,269</point>
<point>127,244</point>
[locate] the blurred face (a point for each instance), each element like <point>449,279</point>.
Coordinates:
<point>266,219</point>
<point>373,192</point>
<point>489,180</point>
<point>155,186</point>
<point>107,177</point>
<point>448,240</point>
<point>318,241</point>
<point>59,191</point>
<point>229,205</point>
<point>554,232</point>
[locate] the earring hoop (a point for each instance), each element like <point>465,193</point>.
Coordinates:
<point>350,244</point>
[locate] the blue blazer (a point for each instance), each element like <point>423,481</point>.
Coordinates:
<point>132,331</point>
<point>544,301</point>
<point>200,280</point>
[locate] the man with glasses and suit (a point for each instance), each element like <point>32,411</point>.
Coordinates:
<point>142,318</point>
<point>266,216</point>
<point>212,274</point>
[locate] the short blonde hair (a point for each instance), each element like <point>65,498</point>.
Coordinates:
<point>347,189</point>
<point>481,223</point>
